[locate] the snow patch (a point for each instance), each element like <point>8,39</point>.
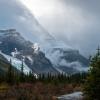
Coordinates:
<point>36,48</point>
<point>15,53</point>
<point>73,96</point>
<point>17,63</point>
<point>30,59</point>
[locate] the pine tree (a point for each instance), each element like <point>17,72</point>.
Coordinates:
<point>31,77</point>
<point>92,85</point>
<point>10,74</point>
<point>22,72</point>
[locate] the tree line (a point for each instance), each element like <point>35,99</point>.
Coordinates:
<point>13,76</point>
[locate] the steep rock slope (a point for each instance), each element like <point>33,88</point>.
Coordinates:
<point>13,44</point>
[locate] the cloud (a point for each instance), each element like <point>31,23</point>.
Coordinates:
<point>88,37</point>
<point>76,22</point>
<point>13,14</point>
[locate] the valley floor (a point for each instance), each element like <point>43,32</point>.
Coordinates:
<point>38,91</point>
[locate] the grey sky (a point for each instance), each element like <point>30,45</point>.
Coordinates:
<point>76,22</point>
<point>89,36</point>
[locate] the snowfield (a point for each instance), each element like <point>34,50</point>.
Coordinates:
<point>17,63</point>
<point>73,96</point>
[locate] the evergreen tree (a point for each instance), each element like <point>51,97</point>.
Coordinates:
<point>31,77</point>
<point>92,85</point>
<point>22,79</point>
<point>10,74</point>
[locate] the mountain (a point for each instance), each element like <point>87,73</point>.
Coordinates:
<point>68,60</point>
<point>13,46</point>
<point>56,59</point>
<point>54,56</point>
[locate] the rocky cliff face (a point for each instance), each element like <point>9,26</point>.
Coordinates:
<point>13,44</point>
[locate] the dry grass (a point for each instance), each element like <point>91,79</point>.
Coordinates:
<point>36,91</point>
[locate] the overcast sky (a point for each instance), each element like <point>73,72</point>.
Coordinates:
<point>76,22</point>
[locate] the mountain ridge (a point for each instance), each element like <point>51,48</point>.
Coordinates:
<point>13,44</point>
<point>58,60</point>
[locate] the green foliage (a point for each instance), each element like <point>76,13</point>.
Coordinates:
<point>91,87</point>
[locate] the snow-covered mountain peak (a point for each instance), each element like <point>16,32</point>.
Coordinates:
<point>9,32</point>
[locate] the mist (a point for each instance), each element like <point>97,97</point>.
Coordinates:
<point>75,23</point>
